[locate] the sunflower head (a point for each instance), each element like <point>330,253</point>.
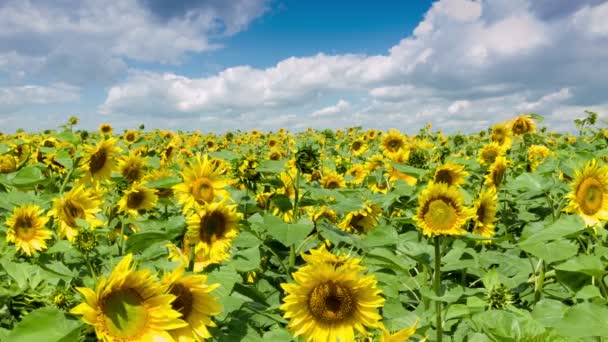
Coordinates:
<point>131,136</point>
<point>358,147</point>
<point>451,174</point>
<point>8,163</point>
<point>79,203</point>
<point>132,167</point>
<point>26,229</point>
<point>537,154</point>
<point>100,160</point>
<point>358,172</point>
<point>393,142</point>
<point>129,305</point>
<point>321,255</point>
<point>203,183</point>
<point>307,159</point>
<point>489,153</point>
<point>137,198</point>
<point>589,194</point>
<point>332,180</point>
<point>105,129</point>
<point>485,213</point>
<point>361,221</point>
<point>523,124</point>
<point>497,172</point>
<point>501,134</point>
<point>441,210</point>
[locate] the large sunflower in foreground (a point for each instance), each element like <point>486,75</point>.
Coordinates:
<point>26,229</point>
<point>212,229</point>
<point>485,213</point>
<point>79,203</point>
<point>203,183</point>
<point>100,160</point>
<point>450,174</point>
<point>195,303</point>
<point>129,305</point>
<point>137,198</point>
<point>441,210</point>
<point>589,195</point>
<point>327,304</point>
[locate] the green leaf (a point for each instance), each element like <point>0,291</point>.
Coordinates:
<point>246,259</point>
<point>142,240</point>
<point>586,264</point>
<point>552,251</point>
<point>539,118</point>
<point>67,136</point>
<point>381,236</point>
<point>287,234</point>
<point>565,226</point>
<point>271,166</point>
<point>46,324</point>
<point>585,320</point>
<point>164,183</point>
<point>27,176</point>
<point>549,312</point>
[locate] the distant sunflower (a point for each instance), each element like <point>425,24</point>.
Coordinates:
<point>129,305</point>
<point>441,210</point>
<point>393,143</point>
<point>523,124</point>
<point>106,128</point>
<point>79,203</point>
<point>329,304</point>
<point>537,155</point>
<point>26,229</point>
<point>485,213</point>
<point>374,162</point>
<point>288,185</point>
<point>8,163</point>
<point>358,147</point>
<point>100,160</point>
<point>362,220</point>
<point>589,194</point>
<point>194,301</point>
<point>501,134</point>
<point>131,136</point>
<point>332,180</point>
<point>489,153</point>
<point>497,172</point>
<point>212,229</point>
<point>137,198</point>
<point>450,174</point>
<point>358,172</point>
<point>202,184</point>
<point>323,212</point>
<point>276,154</point>
<point>379,185</point>
<point>159,174</point>
<point>132,167</point>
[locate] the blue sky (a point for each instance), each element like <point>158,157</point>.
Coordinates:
<point>217,65</point>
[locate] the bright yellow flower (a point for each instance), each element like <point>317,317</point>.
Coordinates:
<point>441,210</point>
<point>589,194</point>
<point>203,183</point>
<point>26,229</point>
<point>79,203</point>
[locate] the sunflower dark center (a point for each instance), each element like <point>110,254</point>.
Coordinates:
<point>394,145</point>
<point>183,300</point>
<point>98,160</point>
<point>212,225</point>
<point>202,190</point>
<point>444,176</point>
<point>590,196</point>
<point>124,314</point>
<point>72,210</point>
<point>332,184</point>
<point>132,171</point>
<point>358,223</point>
<point>356,145</point>
<point>331,303</point>
<point>24,225</point>
<point>135,199</point>
<point>489,155</point>
<point>130,137</point>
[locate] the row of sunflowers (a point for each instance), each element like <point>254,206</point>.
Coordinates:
<point>320,235</point>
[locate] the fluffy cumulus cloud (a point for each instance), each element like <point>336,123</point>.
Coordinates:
<point>467,64</point>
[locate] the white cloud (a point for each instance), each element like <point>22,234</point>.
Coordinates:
<point>592,20</point>
<point>338,108</point>
<point>551,99</point>
<point>12,98</point>
<point>458,106</point>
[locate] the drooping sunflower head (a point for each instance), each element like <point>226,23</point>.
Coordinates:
<point>489,153</point>
<point>106,128</point>
<point>497,172</point>
<point>441,210</point>
<point>79,203</point>
<point>331,304</point>
<point>485,213</point>
<point>450,174</point>
<point>100,160</point>
<point>212,229</point>
<point>203,183</point>
<point>332,180</point>
<point>589,194</point>
<point>361,221</point>
<point>129,305</point>
<point>194,301</point>
<point>137,198</point>
<point>132,167</point>
<point>523,124</point>
<point>26,229</point>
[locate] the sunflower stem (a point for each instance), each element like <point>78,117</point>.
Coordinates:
<point>90,266</point>
<point>437,287</point>
<point>540,269</point>
<point>297,194</point>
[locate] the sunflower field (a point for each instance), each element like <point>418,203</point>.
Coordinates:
<point>320,235</point>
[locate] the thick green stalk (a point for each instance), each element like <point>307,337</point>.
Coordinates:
<point>437,287</point>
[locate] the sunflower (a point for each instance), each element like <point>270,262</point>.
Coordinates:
<point>501,134</point>
<point>130,136</point>
<point>100,160</point>
<point>523,124</point>
<point>450,174</point>
<point>321,255</point>
<point>323,212</point>
<point>332,180</point>
<point>129,305</point>
<point>159,174</point>
<point>402,335</point>
<point>79,203</point>
<point>362,220</point>
<point>195,303</point>
<point>379,185</point>
<point>374,162</point>
<point>288,186</point>
<point>328,304</point>
<point>132,167</point>
<point>358,147</point>
<point>358,172</point>
<point>26,229</point>
<point>485,213</point>
<point>202,184</point>
<point>393,144</point>
<point>537,154</point>
<point>212,229</point>
<point>589,195</point>
<point>8,163</point>
<point>395,175</point>
<point>137,198</point>
<point>489,153</point>
<point>497,172</point>
<point>106,128</point>
<point>441,210</point>
<point>276,154</point>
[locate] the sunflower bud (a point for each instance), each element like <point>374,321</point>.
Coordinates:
<point>499,298</point>
<point>85,241</point>
<point>418,158</point>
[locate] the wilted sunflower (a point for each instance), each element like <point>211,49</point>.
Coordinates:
<point>212,229</point>
<point>441,210</point>
<point>79,203</point>
<point>393,144</point>
<point>497,171</point>
<point>100,160</point>
<point>450,174</point>
<point>106,128</point>
<point>129,305</point>
<point>489,153</point>
<point>132,167</point>
<point>332,180</point>
<point>26,229</point>
<point>194,301</point>
<point>523,124</point>
<point>589,195</point>
<point>328,304</point>
<point>485,213</point>
<point>361,221</point>
<point>137,198</point>
<point>203,183</point>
